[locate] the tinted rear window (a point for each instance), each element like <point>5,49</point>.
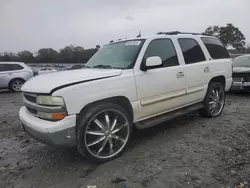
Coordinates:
<point>215,48</point>
<point>191,50</point>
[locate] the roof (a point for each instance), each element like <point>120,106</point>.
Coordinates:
<point>11,62</point>
<point>174,34</point>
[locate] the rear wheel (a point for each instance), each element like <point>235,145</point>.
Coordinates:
<point>214,100</point>
<point>16,84</point>
<point>103,132</point>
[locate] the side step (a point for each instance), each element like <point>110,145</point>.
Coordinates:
<point>167,116</point>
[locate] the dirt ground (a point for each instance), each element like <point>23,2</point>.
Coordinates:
<point>189,151</point>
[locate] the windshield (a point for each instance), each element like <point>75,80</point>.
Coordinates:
<point>120,55</point>
<point>243,61</point>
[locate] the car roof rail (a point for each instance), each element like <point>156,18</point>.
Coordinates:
<point>178,32</point>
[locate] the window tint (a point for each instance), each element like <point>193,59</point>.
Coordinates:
<point>10,67</point>
<point>191,51</point>
<point>163,48</point>
<point>215,48</point>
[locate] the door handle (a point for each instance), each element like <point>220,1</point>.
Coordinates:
<point>180,75</point>
<point>10,74</point>
<point>206,69</point>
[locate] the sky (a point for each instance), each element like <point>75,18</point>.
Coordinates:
<point>34,24</point>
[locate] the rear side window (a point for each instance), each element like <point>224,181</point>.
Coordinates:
<point>215,48</point>
<point>16,67</point>
<point>163,48</point>
<point>191,50</point>
<point>10,67</point>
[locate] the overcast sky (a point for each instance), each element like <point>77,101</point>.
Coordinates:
<point>34,24</point>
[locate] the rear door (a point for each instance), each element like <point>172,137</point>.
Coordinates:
<point>8,72</point>
<point>5,75</point>
<point>196,69</point>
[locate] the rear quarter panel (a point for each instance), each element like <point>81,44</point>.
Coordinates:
<point>222,67</point>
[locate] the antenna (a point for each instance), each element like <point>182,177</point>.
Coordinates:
<point>139,35</point>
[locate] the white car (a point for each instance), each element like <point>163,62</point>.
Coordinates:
<point>139,82</point>
<point>46,70</point>
<point>13,75</point>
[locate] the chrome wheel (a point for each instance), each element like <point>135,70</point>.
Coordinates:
<point>107,133</point>
<point>17,84</point>
<point>216,100</point>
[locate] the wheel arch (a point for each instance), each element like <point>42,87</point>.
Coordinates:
<point>119,100</point>
<point>221,79</point>
<point>17,78</point>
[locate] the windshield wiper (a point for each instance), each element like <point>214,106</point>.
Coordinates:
<point>103,66</point>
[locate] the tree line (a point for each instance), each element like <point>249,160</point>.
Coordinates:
<point>68,54</point>
<point>230,35</point>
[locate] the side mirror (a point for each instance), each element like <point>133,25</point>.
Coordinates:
<point>153,61</point>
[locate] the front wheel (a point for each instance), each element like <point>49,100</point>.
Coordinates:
<point>103,132</point>
<point>16,84</point>
<point>214,101</point>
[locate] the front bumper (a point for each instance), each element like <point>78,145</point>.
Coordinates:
<point>243,86</point>
<point>58,133</point>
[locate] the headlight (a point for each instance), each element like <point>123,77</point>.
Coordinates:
<point>50,100</point>
<point>51,107</point>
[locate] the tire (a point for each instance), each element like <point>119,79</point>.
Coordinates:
<point>93,127</point>
<point>212,101</point>
<point>16,84</point>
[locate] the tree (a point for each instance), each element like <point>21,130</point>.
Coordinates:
<point>229,35</point>
<point>46,55</point>
<point>9,56</point>
<point>26,56</point>
<point>66,54</point>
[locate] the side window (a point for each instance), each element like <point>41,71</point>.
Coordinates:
<point>10,67</point>
<point>6,67</point>
<point>163,48</point>
<point>16,67</point>
<point>191,50</point>
<point>215,48</point>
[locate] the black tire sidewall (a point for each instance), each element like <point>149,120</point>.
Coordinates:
<point>81,127</point>
<point>206,109</point>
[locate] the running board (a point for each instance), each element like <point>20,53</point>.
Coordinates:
<point>167,116</point>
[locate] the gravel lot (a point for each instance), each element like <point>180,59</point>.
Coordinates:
<point>189,151</point>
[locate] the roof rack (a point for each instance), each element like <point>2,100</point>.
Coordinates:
<point>177,32</point>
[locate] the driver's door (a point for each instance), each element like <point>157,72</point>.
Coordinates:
<point>163,88</point>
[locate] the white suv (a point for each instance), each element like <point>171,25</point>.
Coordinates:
<point>13,75</point>
<point>139,82</point>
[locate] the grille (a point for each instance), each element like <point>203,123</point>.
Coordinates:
<point>31,98</point>
<point>33,111</point>
<point>238,76</point>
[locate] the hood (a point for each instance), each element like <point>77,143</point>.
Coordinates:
<point>241,69</point>
<point>45,83</point>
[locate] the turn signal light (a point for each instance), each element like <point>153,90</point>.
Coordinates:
<point>57,116</point>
